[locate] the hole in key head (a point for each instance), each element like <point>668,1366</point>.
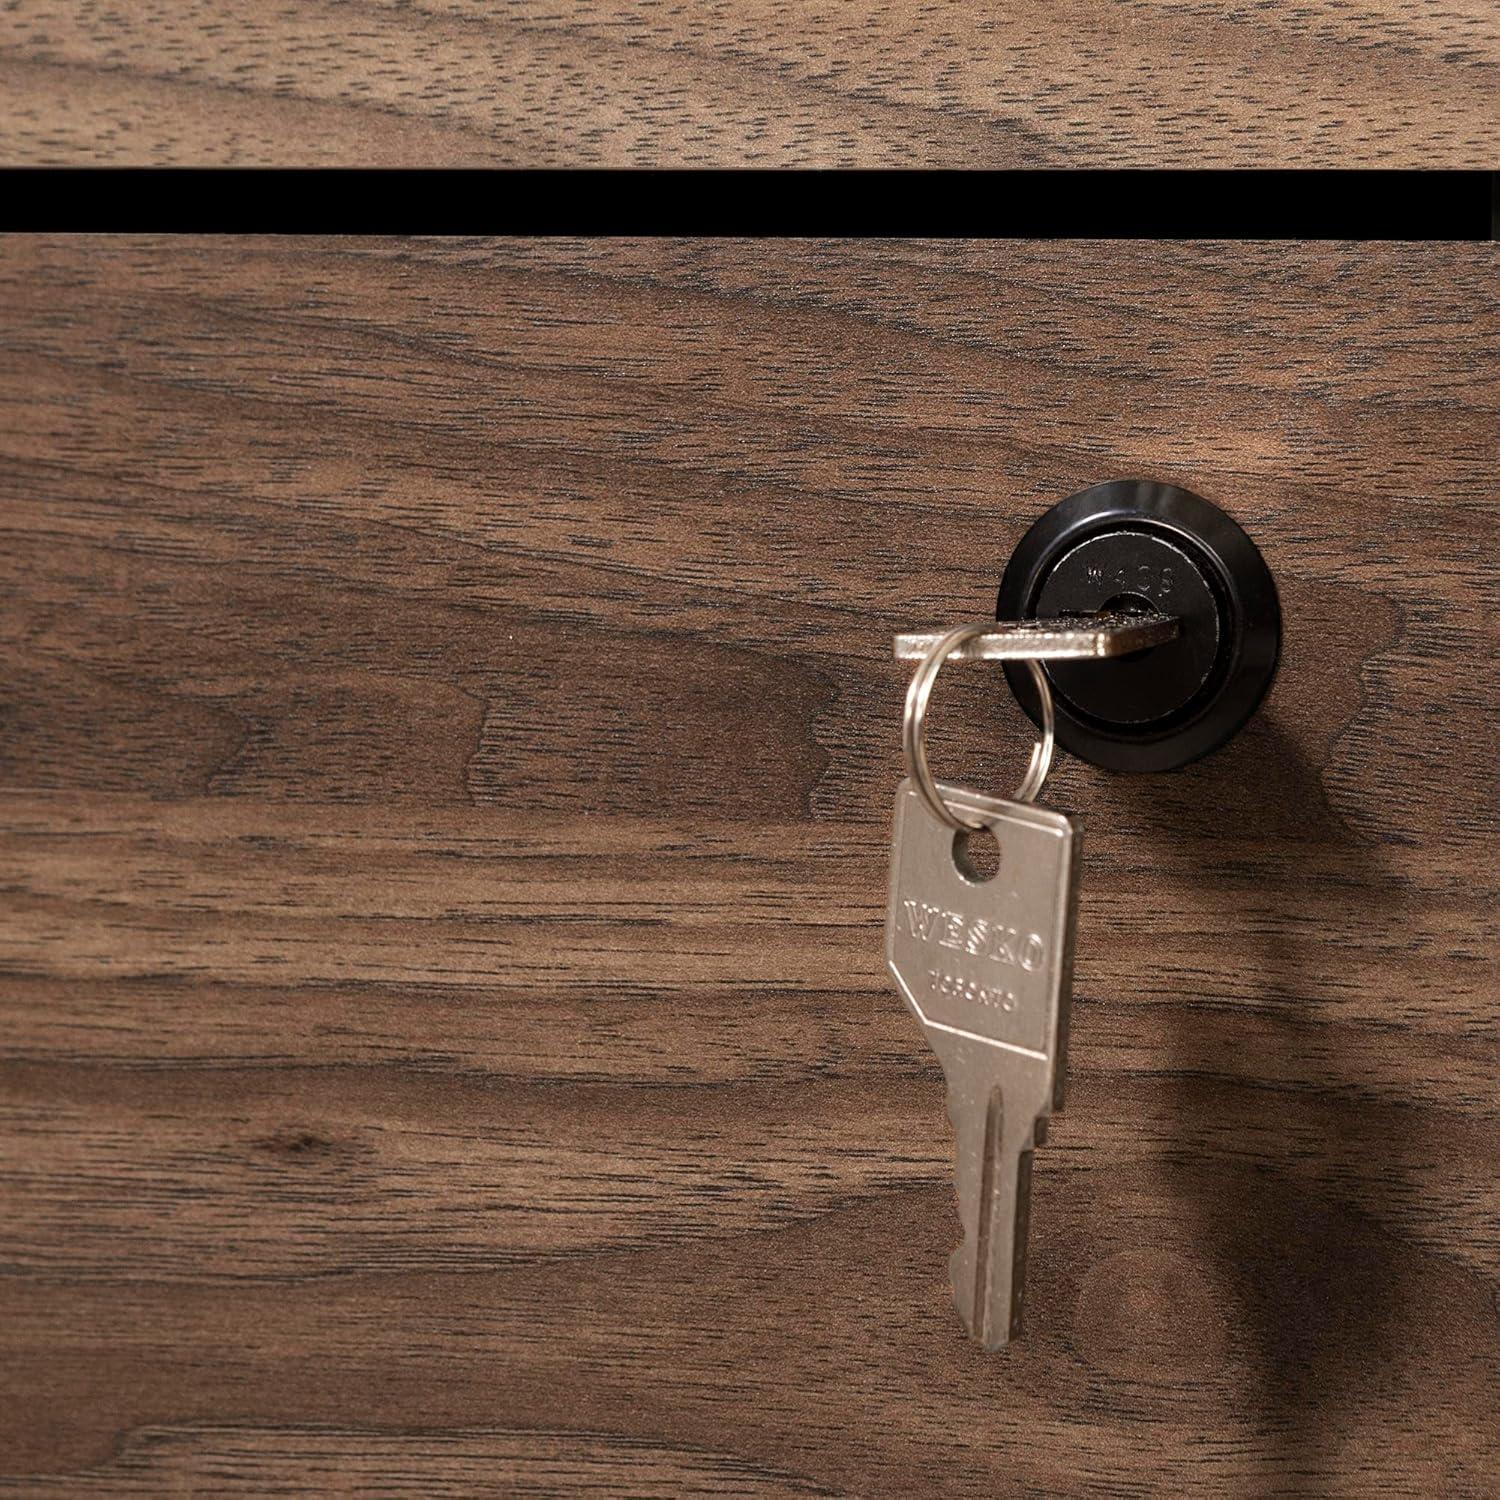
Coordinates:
<point>976,853</point>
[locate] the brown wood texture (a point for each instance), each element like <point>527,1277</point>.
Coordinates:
<point>448,739</point>
<point>1109,83</point>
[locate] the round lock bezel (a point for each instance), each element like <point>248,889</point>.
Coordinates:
<point>1249,621</point>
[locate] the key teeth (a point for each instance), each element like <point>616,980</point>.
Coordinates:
<point>997,1340</point>
<point>962,1281</point>
<point>971,1317</point>
<point>970,1266</point>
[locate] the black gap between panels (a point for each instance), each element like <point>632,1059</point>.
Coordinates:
<point>1345,205</point>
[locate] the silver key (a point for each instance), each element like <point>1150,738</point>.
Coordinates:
<point>987,967</point>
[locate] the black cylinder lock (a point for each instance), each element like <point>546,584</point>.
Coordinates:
<point>1135,546</point>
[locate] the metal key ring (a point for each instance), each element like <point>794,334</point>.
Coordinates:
<point>913,732</point>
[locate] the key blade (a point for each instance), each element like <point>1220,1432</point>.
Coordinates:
<point>1066,638</point>
<point>986,966</point>
<point>993,1126</point>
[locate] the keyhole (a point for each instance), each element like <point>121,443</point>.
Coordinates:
<point>1129,603</point>
<point>976,853</point>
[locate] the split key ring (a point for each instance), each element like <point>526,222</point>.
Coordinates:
<point>913,725</point>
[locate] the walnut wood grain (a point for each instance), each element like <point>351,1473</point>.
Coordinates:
<point>1105,83</point>
<point>446,752</point>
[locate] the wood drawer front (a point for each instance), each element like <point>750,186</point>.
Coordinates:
<point>753,83</point>
<point>448,748</point>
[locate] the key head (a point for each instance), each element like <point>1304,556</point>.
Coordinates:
<point>978,960</point>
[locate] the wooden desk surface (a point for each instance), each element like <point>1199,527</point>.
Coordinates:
<point>1089,83</point>
<point>448,737</point>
